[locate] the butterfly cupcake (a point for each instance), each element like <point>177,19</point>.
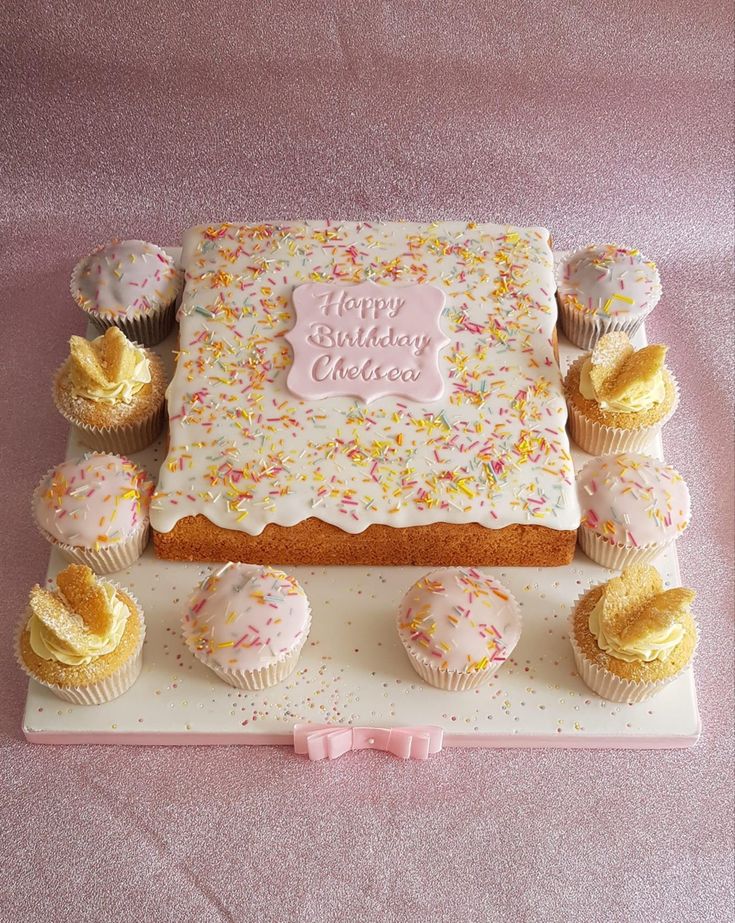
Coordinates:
<point>630,637</point>
<point>619,398</point>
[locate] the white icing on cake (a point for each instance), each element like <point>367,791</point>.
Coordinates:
<point>246,452</point>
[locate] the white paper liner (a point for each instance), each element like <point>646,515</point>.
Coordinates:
<point>147,328</point>
<point>617,557</point>
<point>454,680</point>
<point>254,680</point>
<point>600,439</point>
<point>609,686</point>
<point>121,440</point>
<point>584,330</point>
<point>125,440</point>
<point>103,560</point>
<point>458,680</point>
<point>104,690</point>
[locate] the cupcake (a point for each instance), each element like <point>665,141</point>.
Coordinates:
<point>129,284</point>
<point>83,640</point>
<point>248,625</point>
<point>630,637</point>
<point>602,288</point>
<point>633,506</point>
<point>458,626</point>
<point>619,398</point>
<point>94,509</point>
<point>112,392</point>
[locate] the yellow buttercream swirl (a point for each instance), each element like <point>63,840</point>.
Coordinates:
<point>638,398</point>
<point>657,646</point>
<point>118,391</point>
<point>43,644</point>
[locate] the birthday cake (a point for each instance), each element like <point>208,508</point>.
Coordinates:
<point>367,393</point>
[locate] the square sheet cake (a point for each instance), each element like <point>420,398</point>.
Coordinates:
<point>367,393</point>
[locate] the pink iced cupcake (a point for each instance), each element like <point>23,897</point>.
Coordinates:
<point>248,625</point>
<point>458,626</point>
<point>633,506</point>
<point>129,284</point>
<point>602,288</point>
<point>94,509</point>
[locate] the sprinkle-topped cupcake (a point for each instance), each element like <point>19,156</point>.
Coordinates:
<point>619,398</point>
<point>95,510</point>
<point>633,506</point>
<point>130,284</point>
<point>458,626</point>
<point>605,287</point>
<point>248,625</point>
<point>83,640</point>
<point>112,392</point>
<point>631,637</point>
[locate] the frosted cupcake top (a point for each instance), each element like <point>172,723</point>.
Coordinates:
<point>633,499</point>
<point>636,620</point>
<point>606,280</point>
<point>459,619</point>
<point>93,501</point>
<point>109,369</point>
<point>244,617</point>
<point>82,620</point>
<point>621,379</point>
<point>125,279</point>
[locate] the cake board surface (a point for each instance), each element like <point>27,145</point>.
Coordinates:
<point>353,671</point>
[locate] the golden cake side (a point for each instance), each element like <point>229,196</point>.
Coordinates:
<point>314,542</point>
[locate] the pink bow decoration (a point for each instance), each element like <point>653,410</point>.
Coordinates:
<point>329,741</point>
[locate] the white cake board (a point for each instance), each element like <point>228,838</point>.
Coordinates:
<point>353,670</point>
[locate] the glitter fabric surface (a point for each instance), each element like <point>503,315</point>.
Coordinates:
<point>605,122</point>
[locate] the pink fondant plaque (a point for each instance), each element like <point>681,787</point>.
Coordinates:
<point>367,341</point>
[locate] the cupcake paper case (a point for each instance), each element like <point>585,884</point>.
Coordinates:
<point>633,506</point>
<point>458,626</point>
<point>84,640</point>
<point>130,284</point>
<point>630,638</point>
<point>602,288</point>
<point>95,510</point>
<point>112,392</point>
<point>248,624</point>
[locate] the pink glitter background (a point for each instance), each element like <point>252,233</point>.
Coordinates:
<point>604,121</point>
